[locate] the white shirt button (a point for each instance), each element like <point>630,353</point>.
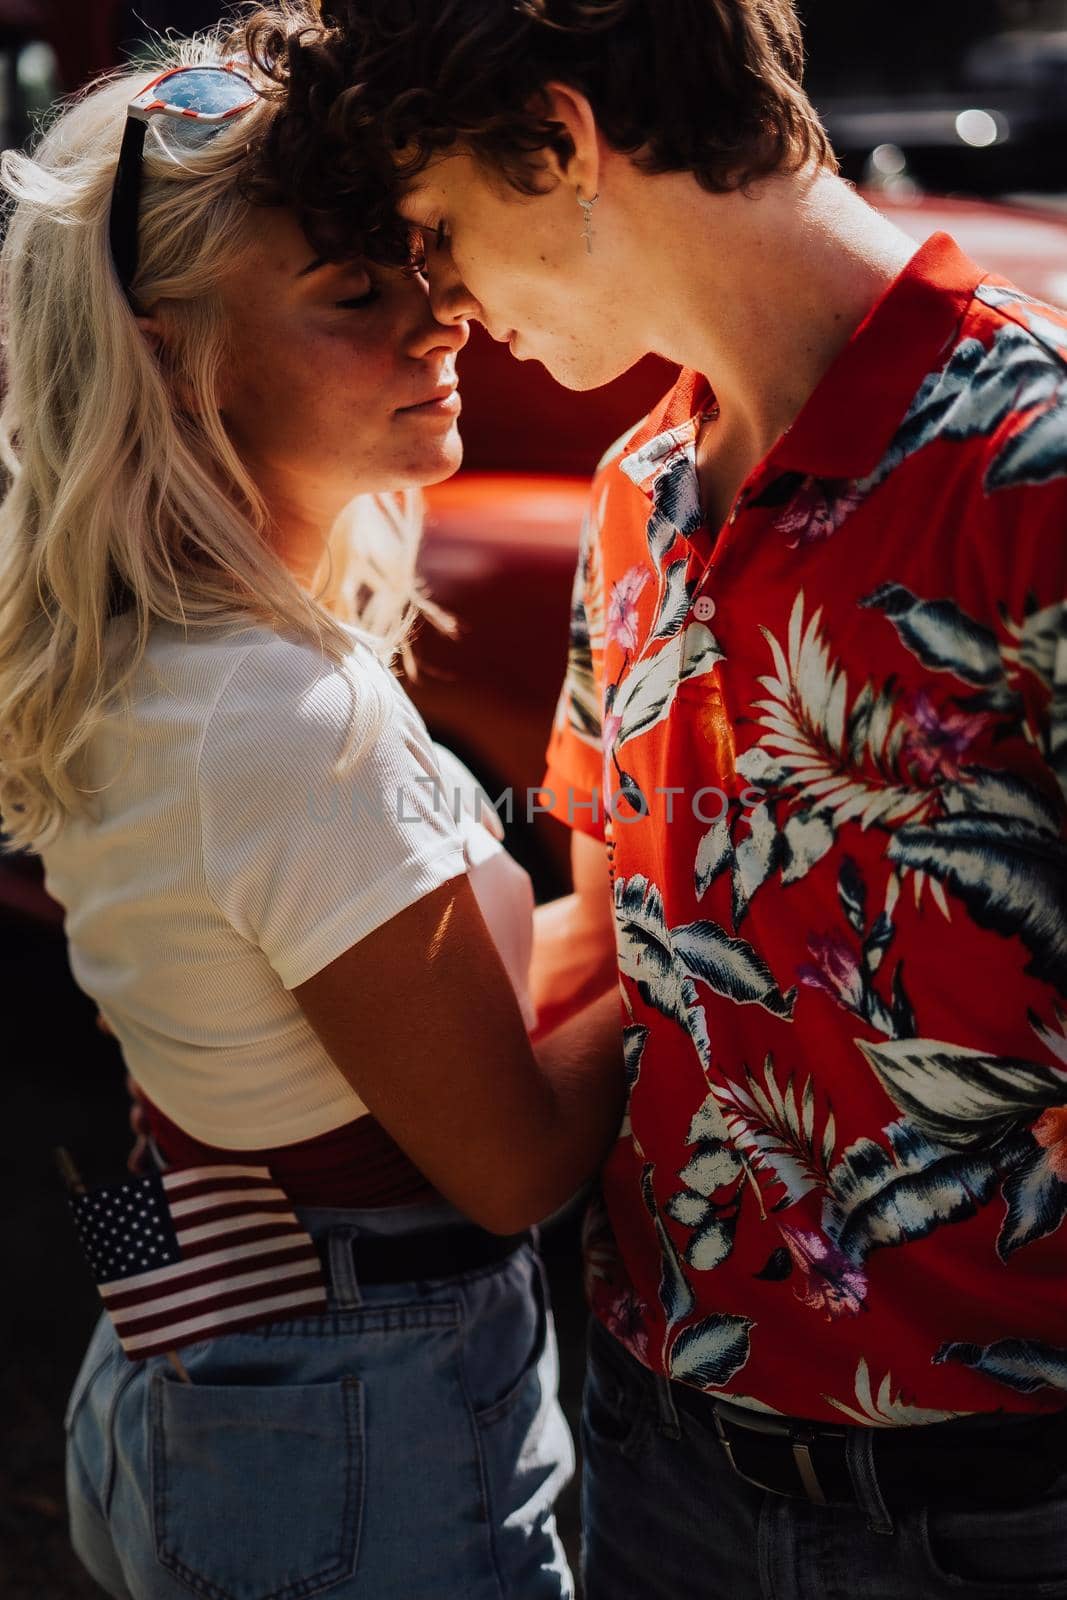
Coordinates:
<point>704,608</point>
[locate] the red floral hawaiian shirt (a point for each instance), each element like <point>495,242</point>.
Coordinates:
<point>834,737</point>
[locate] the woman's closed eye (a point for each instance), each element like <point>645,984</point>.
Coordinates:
<point>361,301</point>
<point>364,286</point>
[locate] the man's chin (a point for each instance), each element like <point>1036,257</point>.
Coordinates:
<point>581,376</point>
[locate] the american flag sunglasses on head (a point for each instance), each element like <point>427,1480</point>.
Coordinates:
<point>209,95</point>
<point>194,1252</point>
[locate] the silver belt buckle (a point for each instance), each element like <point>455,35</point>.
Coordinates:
<point>801,1447</point>
<point>806,1468</point>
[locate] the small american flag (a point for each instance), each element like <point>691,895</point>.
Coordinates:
<point>196,1251</point>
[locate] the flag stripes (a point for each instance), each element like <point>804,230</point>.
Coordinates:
<point>191,1253</point>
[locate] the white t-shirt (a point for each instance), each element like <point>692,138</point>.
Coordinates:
<point>227,865</point>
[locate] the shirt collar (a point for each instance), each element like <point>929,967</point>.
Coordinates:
<point>855,409</point>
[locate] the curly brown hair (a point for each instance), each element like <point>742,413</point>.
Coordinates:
<point>711,87</point>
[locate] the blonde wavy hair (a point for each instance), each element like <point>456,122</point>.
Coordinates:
<point>126,501</point>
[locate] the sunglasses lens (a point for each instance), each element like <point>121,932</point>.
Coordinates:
<point>209,90</point>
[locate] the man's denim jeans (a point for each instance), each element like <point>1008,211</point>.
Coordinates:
<point>406,1445</point>
<point>666,1519</point>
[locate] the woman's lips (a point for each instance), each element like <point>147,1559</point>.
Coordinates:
<point>444,402</point>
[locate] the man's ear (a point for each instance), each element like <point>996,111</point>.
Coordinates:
<point>570,108</point>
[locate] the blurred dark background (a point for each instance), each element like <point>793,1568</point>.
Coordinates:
<point>921,97</point>
<point>898,74</point>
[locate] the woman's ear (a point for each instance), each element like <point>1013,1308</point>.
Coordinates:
<point>570,108</point>
<point>151,333</point>
<point>154,335</point>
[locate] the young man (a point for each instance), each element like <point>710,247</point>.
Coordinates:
<point>815,731</point>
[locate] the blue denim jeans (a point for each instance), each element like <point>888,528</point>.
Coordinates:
<point>665,1518</point>
<point>407,1443</point>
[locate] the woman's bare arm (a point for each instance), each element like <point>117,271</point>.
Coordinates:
<point>422,1020</point>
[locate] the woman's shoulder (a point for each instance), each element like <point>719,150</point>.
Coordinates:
<point>271,702</point>
<point>252,667</point>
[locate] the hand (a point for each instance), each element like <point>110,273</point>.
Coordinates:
<point>139,1160</point>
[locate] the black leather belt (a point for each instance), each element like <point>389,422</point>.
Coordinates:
<point>995,1459</point>
<point>999,1459</point>
<point>431,1253</point>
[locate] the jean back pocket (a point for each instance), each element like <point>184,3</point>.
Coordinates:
<point>257,1492</point>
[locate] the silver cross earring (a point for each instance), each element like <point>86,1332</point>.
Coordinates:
<point>587,212</point>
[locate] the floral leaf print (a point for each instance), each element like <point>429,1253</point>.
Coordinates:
<point>730,967</point>
<point>1029,313</point>
<point>962,1097</point>
<point>835,969</point>
<point>777,1130</point>
<point>1036,640</point>
<point>647,957</point>
<point>675,1295</point>
<point>648,692</point>
<point>675,497</point>
<point>1001,794</point>
<point>622,611</point>
<point>882,1198</point>
<point>1039,646</point>
<point>812,745</point>
<point>712,1351</point>
<point>1054,1040</point>
<point>778,1266</point>
<point>1036,1191</point>
<point>807,836</point>
<point>818,507</point>
<point>852,893</point>
<point>885,1410</point>
<point>761,769</point>
<point>634,1040</point>
<point>1034,452</point>
<point>715,853</point>
<point>793,849</point>
<point>829,1282</point>
<point>581,698</point>
<point>844,963</point>
<point>879,936</point>
<point>626,1318</point>
<point>940,635</point>
<point>676,602</point>
<point>959,1096</point>
<point>845,974</point>
<point>1025,1365</point>
<point>714,1166</point>
<point>630,790</point>
<point>901,1014</point>
<point>1011,877</point>
<point>981,387</point>
<point>756,856</point>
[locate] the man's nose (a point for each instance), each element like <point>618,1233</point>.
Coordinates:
<point>434,329</point>
<point>450,298</point>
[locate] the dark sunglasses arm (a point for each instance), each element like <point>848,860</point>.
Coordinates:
<point>126,203</point>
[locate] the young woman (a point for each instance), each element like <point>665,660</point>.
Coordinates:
<point>311,961</point>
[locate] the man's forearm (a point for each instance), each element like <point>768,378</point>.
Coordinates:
<point>582,1063</point>
<point>574,961</point>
